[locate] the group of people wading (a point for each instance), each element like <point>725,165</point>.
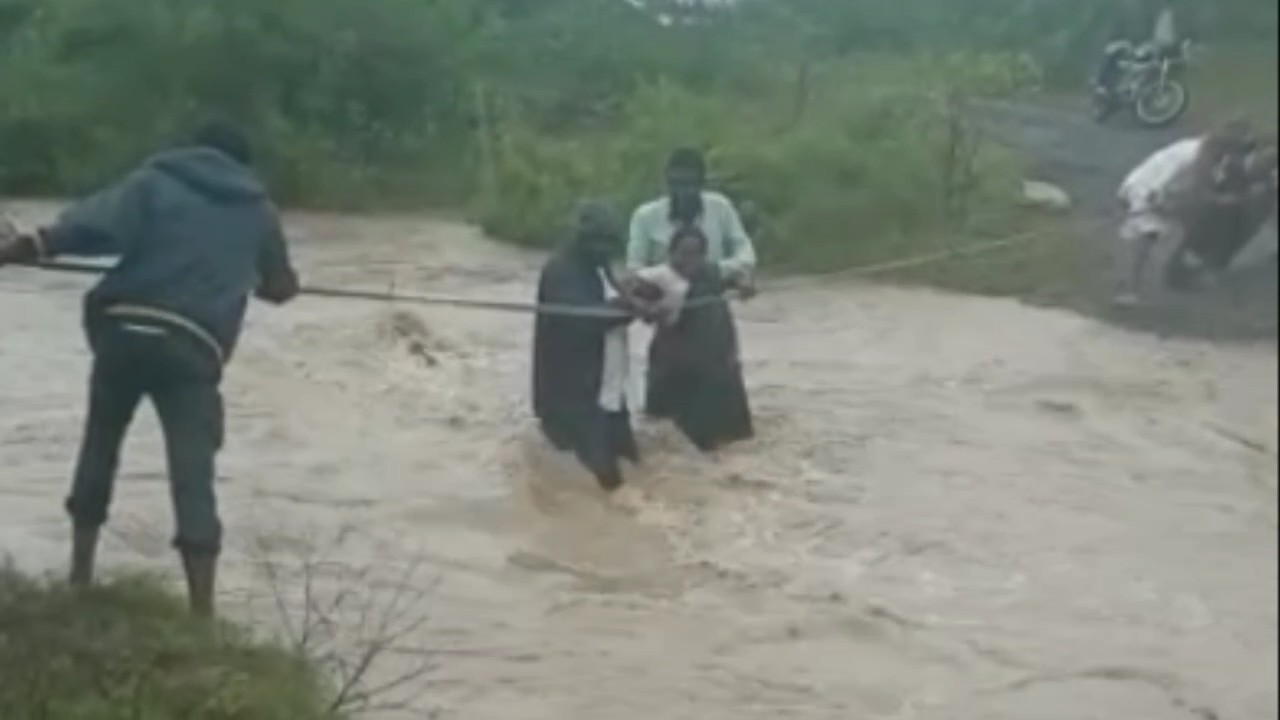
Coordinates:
<point>685,251</point>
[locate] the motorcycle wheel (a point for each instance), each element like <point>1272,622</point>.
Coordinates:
<point>1161,104</point>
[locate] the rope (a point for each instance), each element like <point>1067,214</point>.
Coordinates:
<point>984,247</point>
<point>559,309</point>
<point>981,248</point>
<point>500,305</point>
<point>598,311</point>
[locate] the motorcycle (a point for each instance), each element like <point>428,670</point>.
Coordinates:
<point>1150,82</point>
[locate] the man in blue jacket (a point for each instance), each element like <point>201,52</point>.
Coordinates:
<point>196,235</point>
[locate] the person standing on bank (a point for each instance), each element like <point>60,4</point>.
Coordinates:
<point>196,235</point>
<point>689,204</point>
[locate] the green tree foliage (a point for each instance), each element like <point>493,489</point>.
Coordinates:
<point>339,86</point>
<point>516,105</point>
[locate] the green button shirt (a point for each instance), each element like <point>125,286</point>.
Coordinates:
<point>728,244</point>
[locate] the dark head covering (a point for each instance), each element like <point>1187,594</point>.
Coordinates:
<point>596,230</point>
<point>688,158</point>
<point>1237,135</point>
<point>226,137</point>
<point>595,220</point>
<point>686,174</point>
<point>685,234</point>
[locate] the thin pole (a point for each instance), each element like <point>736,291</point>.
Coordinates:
<point>417,299</point>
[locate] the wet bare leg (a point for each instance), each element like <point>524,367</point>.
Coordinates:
<point>84,547</point>
<point>1131,289</point>
<point>200,569</point>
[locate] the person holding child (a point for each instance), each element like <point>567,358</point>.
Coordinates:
<point>684,252</point>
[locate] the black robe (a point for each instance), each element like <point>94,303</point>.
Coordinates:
<point>695,375</point>
<point>1215,233</point>
<point>568,367</point>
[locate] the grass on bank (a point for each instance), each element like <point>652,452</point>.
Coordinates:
<point>1229,81</point>
<point>129,650</point>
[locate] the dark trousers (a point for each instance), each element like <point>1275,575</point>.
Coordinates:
<point>695,379</point>
<point>1214,236</point>
<point>599,438</point>
<point>709,406</point>
<point>181,377</point>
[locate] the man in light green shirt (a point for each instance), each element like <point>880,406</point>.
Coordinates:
<point>687,203</point>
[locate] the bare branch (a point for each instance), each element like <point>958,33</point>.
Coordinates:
<point>349,624</point>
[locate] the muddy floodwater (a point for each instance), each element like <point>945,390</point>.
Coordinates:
<point>956,509</point>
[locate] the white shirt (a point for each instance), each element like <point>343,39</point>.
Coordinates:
<point>674,289</point>
<point>1144,187</point>
<point>617,356</point>
<point>1143,192</point>
<point>728,244</point>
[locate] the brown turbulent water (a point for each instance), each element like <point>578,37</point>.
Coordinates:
<point>957,508</point>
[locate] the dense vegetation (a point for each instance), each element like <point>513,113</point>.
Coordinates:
<point>131,650</point>
<point>840,124</point>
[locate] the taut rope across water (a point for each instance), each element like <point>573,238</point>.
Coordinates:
<point>573,310</point>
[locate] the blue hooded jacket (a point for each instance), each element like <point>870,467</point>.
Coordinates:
<point>194,231</point>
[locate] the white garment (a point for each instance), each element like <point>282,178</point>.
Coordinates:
<point>674,289</point>
<point>617,356</point>
<point>1142,193</point>
<point>1143,188</point>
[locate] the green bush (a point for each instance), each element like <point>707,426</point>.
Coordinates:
<point>130,651</point>
<point>858,178</point>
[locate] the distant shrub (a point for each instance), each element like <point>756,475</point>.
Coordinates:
<point>859,176</point>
